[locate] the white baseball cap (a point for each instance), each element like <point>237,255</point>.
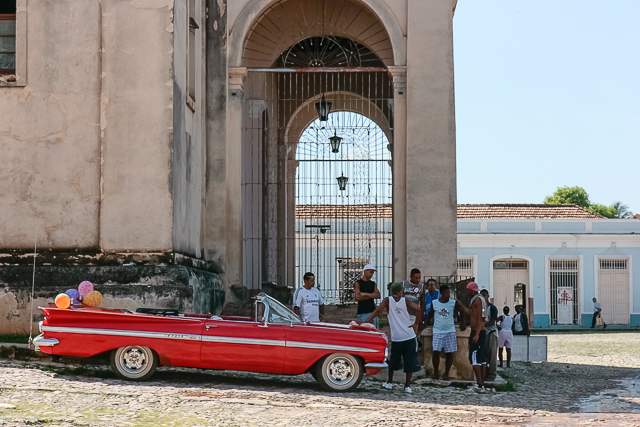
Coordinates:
<point>369,267</point>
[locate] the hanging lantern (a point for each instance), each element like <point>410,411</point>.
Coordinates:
<point>342,181</point>
<point>335,142</point>
<point>323,107</point>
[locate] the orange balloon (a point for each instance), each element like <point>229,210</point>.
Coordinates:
<point>92,299</point>
<point>63,301</point>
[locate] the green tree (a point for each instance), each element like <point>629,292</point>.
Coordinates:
<point>622,210</point>
<point>605,211</point>
<point>567,196</point>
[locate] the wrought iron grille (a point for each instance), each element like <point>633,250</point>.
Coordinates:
<point>563,284</point>
<point>295,217</point>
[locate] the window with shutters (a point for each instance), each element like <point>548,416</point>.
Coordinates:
<point>7,38</point>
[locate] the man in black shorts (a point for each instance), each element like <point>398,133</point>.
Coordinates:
<point>477,312</point>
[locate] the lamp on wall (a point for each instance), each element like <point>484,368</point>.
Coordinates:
<point>335,142</point>
<point>342,181</point>
<point>323,107</point>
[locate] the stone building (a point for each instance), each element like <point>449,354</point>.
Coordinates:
<point>150,145</point>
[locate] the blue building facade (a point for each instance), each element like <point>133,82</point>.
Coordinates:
<point>557,262</point>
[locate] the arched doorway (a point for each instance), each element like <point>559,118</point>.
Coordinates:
<point>343,203</point>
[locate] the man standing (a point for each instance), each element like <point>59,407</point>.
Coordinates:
<point>597,310</point>
<point>412,289</point>
<point>365,291</point>
<point>430,294</point>
<point>505,336</point>
<point>444,330</point>
<point>403,334</point>
<point>307,301</point>
<point>491,343</point>
<point>520,322</point>
<point>478,309</point>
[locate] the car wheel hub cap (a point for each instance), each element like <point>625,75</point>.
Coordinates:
<point>134,359</point>
<point>340,370</point>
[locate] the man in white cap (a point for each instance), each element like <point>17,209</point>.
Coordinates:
<point>365,291</point>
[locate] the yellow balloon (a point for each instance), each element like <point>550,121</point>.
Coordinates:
<point>92,299</point>
<point>63,301</point>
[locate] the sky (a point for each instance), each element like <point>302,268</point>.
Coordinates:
<point>547,95</point>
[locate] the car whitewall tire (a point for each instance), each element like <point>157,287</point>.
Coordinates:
<point>339,372</point>
<point>134,363</point>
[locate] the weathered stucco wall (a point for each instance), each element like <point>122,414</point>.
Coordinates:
<point>136,125</point>
<point>87,142</point>
<point>188,134</point>
<point>49,132</point>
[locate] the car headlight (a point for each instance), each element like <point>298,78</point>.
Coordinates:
<point>386,353</point>
<point>40,326</point>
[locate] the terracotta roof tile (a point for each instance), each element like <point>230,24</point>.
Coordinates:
<point>484,211</point>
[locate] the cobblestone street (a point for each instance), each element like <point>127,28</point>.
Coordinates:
<point>585,374</point>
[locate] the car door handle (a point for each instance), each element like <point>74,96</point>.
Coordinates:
<point>210,326</point>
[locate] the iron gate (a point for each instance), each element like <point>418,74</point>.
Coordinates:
<point>296,217</point>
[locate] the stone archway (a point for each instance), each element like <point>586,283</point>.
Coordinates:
<point>246,31</point>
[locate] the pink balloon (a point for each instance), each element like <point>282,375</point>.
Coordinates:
<point>85,287</point>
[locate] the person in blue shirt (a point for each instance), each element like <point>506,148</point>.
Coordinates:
<point>429,294</point>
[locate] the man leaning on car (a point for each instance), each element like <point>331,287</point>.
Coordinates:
<point>307,301</point>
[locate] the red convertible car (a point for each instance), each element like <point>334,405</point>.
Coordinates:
<point>274,340</point>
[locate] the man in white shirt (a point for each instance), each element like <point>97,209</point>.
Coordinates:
<point>307,301</point>
<point>597,310</point>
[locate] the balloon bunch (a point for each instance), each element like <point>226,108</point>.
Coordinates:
<point>84,294</point>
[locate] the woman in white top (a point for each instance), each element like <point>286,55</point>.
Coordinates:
<point>403,334</point>
<point>505,336</point>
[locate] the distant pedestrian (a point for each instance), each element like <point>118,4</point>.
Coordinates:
<point>413,289</point>
<point>491,343</point>
<point>597,313</point>
<point>478,316</point>
<point>444,330</point>
<point>520,322</point>
<point>505,335</point>
<point>429,294</point>
<point>365,292</point>
<point>307,300</point>
<point>403,334</point>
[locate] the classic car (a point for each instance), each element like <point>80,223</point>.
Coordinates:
<point>274,340</point>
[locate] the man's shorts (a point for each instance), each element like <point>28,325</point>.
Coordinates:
<point>445,341</point>
<point>364,316</point>
<point>476,350</point>
<point>404,351</point>
<point>505,338</point>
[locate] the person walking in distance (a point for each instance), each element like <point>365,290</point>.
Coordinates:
<point>403,334</point>
<point>413,289</point>
<point>478,316</point>
<point>505,335</point>
<point>491,343</point>
<point>444,330</point>
<point>365,292</point>
<point>597,311</point>
<point>307,300</point>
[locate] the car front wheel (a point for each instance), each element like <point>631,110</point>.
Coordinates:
<point>339,372</point>
<point>134,363</point>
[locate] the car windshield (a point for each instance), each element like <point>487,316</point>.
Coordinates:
<point>278,313</point>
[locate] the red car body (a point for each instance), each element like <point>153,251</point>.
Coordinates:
<point>279,343</point>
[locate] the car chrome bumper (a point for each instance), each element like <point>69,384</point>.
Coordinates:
<point>375,365</point>
<point>41,341</point>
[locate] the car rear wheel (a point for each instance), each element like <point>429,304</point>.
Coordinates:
<point>339,372</point>
<point>134,363</point>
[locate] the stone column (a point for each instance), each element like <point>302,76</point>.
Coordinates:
<point>431,138</point>
<point>399,75</point>
<point>233,222</point>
